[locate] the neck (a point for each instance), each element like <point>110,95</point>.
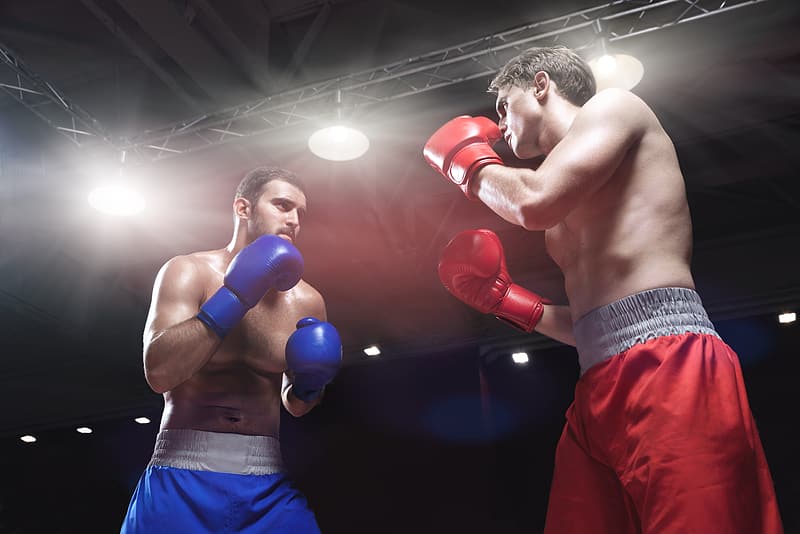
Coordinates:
<point>558,121</point>
<point>240,238</point>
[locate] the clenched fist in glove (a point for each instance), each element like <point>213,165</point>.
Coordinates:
<point>473,269</point>
<point>462,147</point>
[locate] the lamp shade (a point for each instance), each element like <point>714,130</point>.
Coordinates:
<point>616,70</point>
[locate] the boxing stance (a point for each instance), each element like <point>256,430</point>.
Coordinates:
<point>231,334</point>
<point>660,437</point>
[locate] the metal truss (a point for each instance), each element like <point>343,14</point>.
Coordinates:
<point>48,103</point>
<point>613,21</point>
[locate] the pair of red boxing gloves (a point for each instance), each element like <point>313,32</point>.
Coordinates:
<point>472,266</point>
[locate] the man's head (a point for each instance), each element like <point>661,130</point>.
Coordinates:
<point>271,201</point>
<point>573,77</point>
<point>537,95</point>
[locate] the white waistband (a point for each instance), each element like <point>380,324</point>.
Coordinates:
<point>219,452</point>
<point>616,327</point>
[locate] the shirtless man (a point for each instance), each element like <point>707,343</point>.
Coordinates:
<point>231,334</point>
<point>660,437</point>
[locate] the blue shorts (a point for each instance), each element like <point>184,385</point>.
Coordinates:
<point>210,482</point>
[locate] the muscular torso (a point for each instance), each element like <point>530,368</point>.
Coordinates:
<point>239,388</point>
<point>632,234</point>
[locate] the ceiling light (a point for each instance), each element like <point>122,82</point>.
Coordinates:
<point>612,68</point>
<point>616,70</point>
<point>520,357</point>
<point>338,143</point>
<point>116,200</point>
<point>786,318</point>
<point>28,438</point>
<point>84,430</point>
<point>142,420</point>
<point>372,351</point>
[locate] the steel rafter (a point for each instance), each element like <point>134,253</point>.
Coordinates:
<point>615,21</point>
<point>48,103</point>
<point>618,20</point>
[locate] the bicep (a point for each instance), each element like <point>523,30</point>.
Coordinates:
<point>177,294</point>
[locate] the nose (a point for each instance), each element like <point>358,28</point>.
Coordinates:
<point>293,219</point>
<point>502,125</point>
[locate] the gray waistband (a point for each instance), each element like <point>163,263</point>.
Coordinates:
<point>218,452</point>
<point>618,326</point>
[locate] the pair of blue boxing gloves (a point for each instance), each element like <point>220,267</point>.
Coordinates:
<point>314,350</point>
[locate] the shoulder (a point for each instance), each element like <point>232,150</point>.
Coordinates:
<point>190,268</point>
<point>618,109</point>
<point>309,298</point>
<point>616,103</point>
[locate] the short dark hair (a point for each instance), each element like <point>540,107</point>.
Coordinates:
<point>253,182</point>
<point>573,77</point>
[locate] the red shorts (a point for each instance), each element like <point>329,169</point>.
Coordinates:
<point>660,439</point>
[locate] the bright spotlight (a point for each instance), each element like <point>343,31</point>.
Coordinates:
<point>28,438</point>
<point>372,351</point>
<point>338,143</point>
<point>142,420</point>
<point>616,70</point>
<point>520,357</point>
<point>786,318</point>
<point>116,200</point>
<point>84,430</point>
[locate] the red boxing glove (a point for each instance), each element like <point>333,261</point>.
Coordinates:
<point>462,147</point>
<point>473,269</point>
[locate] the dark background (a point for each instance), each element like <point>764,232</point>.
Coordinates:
<point>406,442</point>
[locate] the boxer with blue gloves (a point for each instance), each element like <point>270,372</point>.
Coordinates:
<point>233,336</point>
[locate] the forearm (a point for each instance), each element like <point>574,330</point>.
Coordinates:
<point>556,323</point>
<point>515,194</point>
<point>173,355</point>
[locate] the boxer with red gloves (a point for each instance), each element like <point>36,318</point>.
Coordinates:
<point>473,268</point>
<point>233,336</point>
<point>660,438</point>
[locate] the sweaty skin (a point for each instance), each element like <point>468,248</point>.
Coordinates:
<point>234,385</point>
<point>609,195</point>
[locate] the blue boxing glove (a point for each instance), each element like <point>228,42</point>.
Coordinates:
<point>266,263</point>
<point>313,354</point>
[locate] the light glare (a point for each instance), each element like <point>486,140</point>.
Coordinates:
<point>142,420</point>
<point>84,430</point>
<point>617,70</point>
<point>28,438</point>
<point>520,357</point>
<point>372,351</point>
<point>786,318</point>
<point>116,200</point>
<point>338,143</point>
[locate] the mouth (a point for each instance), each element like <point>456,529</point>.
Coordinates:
<point>287,237</point>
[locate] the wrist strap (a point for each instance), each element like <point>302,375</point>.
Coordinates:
<point>222,311</point>
<point>521,308</point>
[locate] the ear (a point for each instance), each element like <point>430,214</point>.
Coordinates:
<point>241,208</point>
<point>541,84</point>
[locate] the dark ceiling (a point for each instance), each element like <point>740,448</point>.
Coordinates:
<point>75,285</point>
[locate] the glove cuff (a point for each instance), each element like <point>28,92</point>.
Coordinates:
<point>222,311</point>
<point>521,308</point>
<point>306,395</point>
<point>468,161</point>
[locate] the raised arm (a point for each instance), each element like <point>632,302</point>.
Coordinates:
<point>176,343</point>
<point>600,136</point>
